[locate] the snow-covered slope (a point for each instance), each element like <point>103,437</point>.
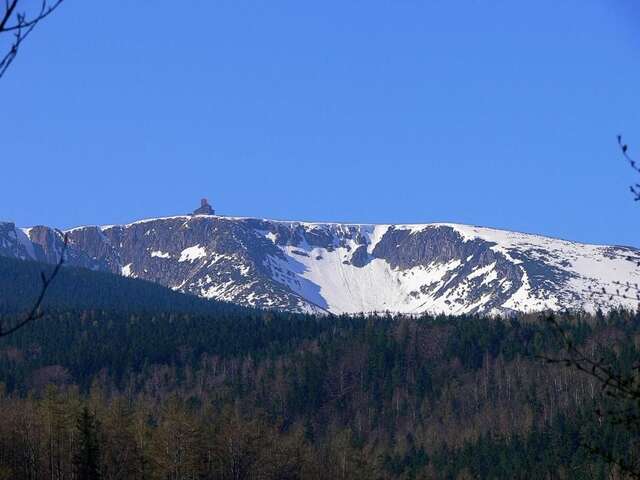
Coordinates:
<point>449,268</point>
<point>342,268</point>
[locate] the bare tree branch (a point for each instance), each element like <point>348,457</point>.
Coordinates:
<point>46,9</point>
<point>616,289</point>
<point>7,14</point>
<point>19,24</point>
<point>635,189</point>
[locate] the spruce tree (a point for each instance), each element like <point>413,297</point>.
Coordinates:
<point>87,457</point>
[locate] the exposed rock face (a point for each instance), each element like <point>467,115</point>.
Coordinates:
<point>343,268</point>
<point>42,244</point>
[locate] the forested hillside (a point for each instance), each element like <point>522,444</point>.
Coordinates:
<point>80,288</point>
<point>241,394</point>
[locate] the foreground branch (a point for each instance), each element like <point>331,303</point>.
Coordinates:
<point>635,189</point>
<point>19,24</point>
<point>616,289</point>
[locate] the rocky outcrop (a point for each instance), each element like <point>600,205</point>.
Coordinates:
<point>204,208</point>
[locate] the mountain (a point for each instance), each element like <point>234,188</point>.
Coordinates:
<point>343,268</point>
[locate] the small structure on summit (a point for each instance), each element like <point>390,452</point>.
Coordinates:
<point>204,209</point>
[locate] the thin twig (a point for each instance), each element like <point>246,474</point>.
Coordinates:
<point>45,11</point>
<point>19,24</point>
<point>635,189</point>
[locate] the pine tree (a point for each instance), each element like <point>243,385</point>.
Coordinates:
<point>87,458</point>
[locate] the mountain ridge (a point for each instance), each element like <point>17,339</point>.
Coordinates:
<point>344,267</point>
<point>326,222</point>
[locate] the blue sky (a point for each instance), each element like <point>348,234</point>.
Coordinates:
<point>493,113</point>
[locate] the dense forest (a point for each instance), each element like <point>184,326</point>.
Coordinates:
<point>119,393</point>
<point>111,385</point>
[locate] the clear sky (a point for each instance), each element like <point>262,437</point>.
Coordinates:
<point>495,113</point>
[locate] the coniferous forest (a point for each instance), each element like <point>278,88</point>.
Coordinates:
<point>130,393</point>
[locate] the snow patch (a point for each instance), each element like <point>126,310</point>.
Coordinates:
<point>126,270</point>
<point>191,254</point>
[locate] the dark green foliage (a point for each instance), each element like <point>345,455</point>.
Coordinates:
<point>87,459</point>
<point>301,396</point>
<point>79,289</point>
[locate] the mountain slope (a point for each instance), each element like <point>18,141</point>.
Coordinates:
<point>342,268</point>
<point>82,289</point>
